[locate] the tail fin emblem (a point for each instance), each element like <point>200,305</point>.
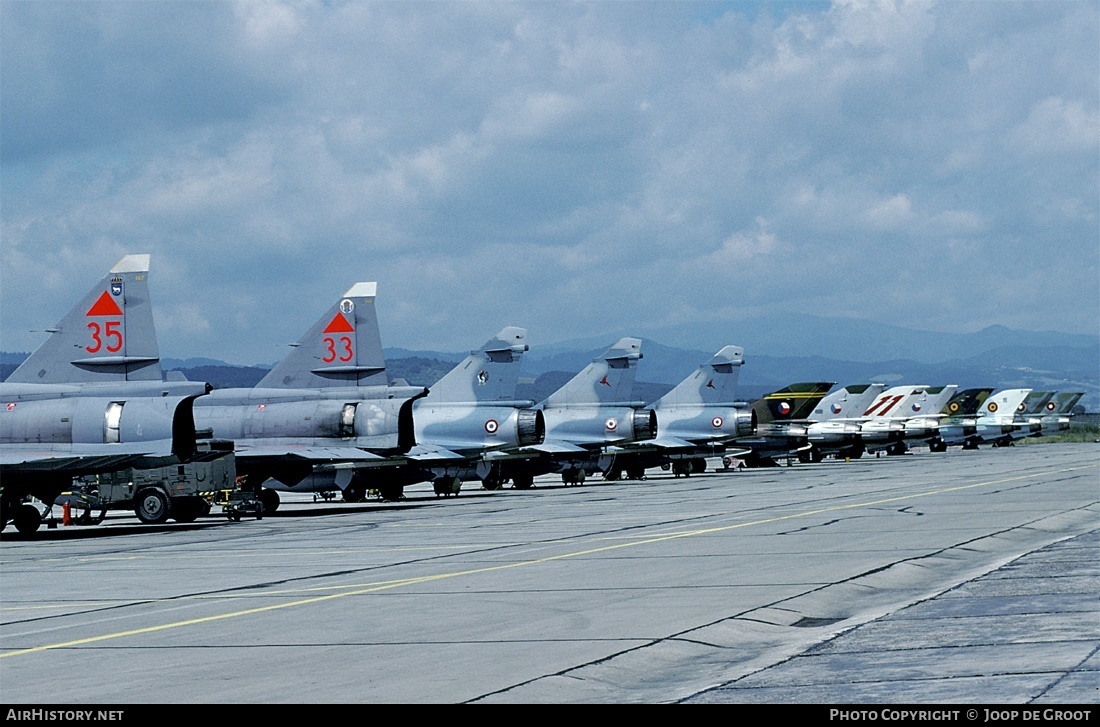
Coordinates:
<point>104,306</point>
<point>992,406</point>
<point>784,408</point>
<point>339,324</point>
<point>604,380</point>
<point>710,384</point>
<point>482,378</point>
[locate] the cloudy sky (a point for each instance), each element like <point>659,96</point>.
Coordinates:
<point>573,168</point>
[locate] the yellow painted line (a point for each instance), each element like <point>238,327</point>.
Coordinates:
<point>362,589</point>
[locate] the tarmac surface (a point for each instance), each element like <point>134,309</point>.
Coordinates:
<point>1027,631</point>
<point>962,578</point>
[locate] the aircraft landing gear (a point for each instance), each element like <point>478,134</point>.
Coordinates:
<point>26,518</point>
<point>447,486</point>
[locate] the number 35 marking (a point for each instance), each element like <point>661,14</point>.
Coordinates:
<point>110,331</point>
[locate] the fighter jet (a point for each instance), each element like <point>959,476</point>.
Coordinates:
<point>469,418</point>
<point>91,400</point>
<point>585,419</point>
<point>996,419</point>
<point>781,423</point>
<point>917,418</point>
<point>960,424</point>
<point>834,424</point>
<point>325,416</point>
<point>695,419</point>
<point>1057,411</point>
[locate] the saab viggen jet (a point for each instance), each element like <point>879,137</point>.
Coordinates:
<point>694,420</point>
<point>91,400</point>
<point>325,416</point>
<point>587,419</point>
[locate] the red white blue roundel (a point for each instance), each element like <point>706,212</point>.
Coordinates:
<point>1051,406</point>
<point>716,422</point>
<point>835,408</point>
<point>611,424</point>
<point>1021,407</point>
<point>491,426</point>
<point>784,408</point>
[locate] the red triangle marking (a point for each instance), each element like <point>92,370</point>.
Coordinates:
<point>104,306</point>
<point>339,324</point>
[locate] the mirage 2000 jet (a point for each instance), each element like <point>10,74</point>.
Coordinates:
<point>469,420</point>
<point>588,421</point>
<point>694,420</point>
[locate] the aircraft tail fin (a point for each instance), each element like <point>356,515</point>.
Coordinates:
<point>1063,401</point>
<point>851,401</point>
<point>108,336</point>
<point>489,374</point>
<point>792,402</point>
<point>966,402</point>
<point>896,402</point>
<point>1003,403</point>
<point>932,401</point>
<point>714,382</point>
<point>343,348</point>
<point>608,379</point>
<point>1036,403</point>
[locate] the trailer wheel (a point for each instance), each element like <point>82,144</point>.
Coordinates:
<point>188,509</point>
<point>151,506</point>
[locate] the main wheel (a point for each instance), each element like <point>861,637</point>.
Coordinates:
<point>27,519</point>
<point>152,506</point>
<point>523,481</point>
<point>446,486</point>
<point>391,493</point>
<point>354,492</point>
<point>492,482</point>
<point>188,509</point>
<point>269,499</point>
